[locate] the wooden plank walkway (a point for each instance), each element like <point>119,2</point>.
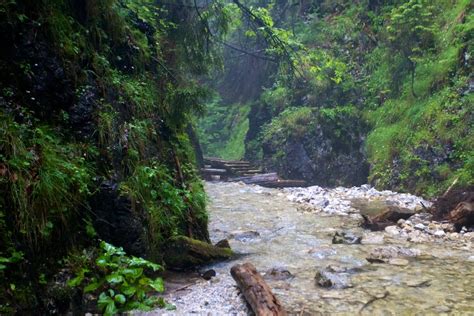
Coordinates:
<point>244,171</point>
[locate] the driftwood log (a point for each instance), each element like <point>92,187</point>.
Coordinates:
<point>258,178</point>
<point>387,218</point>
<point>256,291</point>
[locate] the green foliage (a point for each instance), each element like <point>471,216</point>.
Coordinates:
<point>293,122</point>
<point>122,282</point>
<point>44,180</point>
<point>222,131</point>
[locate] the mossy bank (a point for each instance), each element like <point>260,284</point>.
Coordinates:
<point>94,109</point>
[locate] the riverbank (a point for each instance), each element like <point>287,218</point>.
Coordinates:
<point>288,235</point>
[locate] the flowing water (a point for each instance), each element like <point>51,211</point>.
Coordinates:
<point>268,230</point>
<point>271,232</point>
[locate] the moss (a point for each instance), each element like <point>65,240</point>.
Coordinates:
<point>186,253</point>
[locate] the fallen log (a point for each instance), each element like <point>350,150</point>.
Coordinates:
<point>213,171</point>
<point>387,218</point>
<point>257,179</point>
<point>284,183</point>
<point>256,291</point>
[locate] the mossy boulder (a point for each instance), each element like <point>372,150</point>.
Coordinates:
<point>185,253</point>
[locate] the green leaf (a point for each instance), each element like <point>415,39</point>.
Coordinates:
<point>170,307</point>
<point>128,290</point>
<point>120,298</point>
<point>114,278</point>
<point>132,273</point>
<point>76,281</point>
<point>157,285</point>
<point>91,287</point>
<point>101,261</point>
<point>111,309</point>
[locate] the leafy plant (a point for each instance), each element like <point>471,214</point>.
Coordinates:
<point>121,281</point>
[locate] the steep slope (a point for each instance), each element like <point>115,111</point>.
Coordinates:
<point>96,97</point>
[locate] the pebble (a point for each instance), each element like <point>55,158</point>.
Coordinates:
<point>372,238</point>
<point>398,262</point>
<point>470,259</point>
<point>442,309</point>
<point>392,230</point>
<point>420,226</point>
<point>439,233</point>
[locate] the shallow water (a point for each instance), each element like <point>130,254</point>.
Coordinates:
<point>270,231</point>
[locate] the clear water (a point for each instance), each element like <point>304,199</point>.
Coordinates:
<point>441,281</point>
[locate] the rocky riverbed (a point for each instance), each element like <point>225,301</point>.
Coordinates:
<point>310,247</point>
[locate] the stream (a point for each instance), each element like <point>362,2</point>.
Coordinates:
<point>289,243</point>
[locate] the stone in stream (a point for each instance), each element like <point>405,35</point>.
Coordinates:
<point>385,254</point>
<point>224,243</point>
<point>278,274</point>
<point>346,238</point>
<point>333,277</point>
<point>421,218</point>
<point>209,274</point>
<point>392,230</point>
<point>244,235</point>
<point>372,238</point>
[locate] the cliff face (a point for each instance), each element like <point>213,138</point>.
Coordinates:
<point>94,109</point>
<point>321,147</point>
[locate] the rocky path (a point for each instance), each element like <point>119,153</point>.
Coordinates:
<point>308,244</point>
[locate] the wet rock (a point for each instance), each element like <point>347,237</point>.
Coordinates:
<point>372,239</point>
<point>398,262</point>
<point>384,254</point>
<point>442,309</point>
<point>469,236</point>
<point>278,273</point>
<point>116,222</point>
<point>346,238</point>
<point>420,226</point>
<point>244,235</point>
<point>224,243</point>
<point>448,227</point>
<point>320,157</point>
<point>421,218</point>
<point>185,253</point>
<point>209,274</point>
<point>419,283</point>
<point>331,277</point>
<point>392,230</point>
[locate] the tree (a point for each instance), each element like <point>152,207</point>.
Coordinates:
<point>410,32</point>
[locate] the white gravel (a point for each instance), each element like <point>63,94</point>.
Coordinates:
<point>219,296</point>
<point>337,201</point>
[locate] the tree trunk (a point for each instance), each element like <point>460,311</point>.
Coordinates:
<point>256,291</point>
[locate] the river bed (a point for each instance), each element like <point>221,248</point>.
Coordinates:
<point>282,235</point>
